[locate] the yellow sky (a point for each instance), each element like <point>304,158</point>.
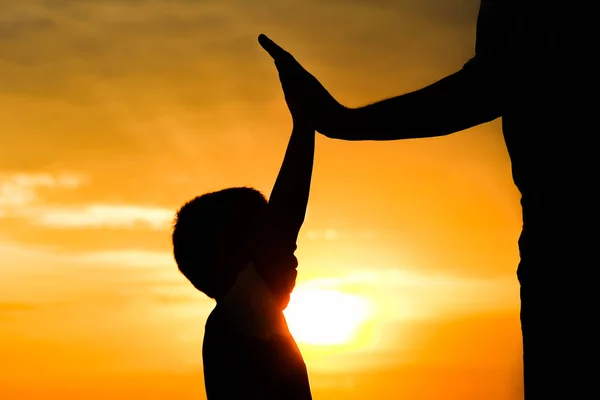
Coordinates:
<point>114,113</point>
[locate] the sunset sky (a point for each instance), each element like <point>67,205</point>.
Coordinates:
<point>115,112</point>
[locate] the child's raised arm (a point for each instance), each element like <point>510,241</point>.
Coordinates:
<point>289,198</point>
<point>274,256</point>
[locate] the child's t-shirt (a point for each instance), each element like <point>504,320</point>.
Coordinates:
<point>248,350</point>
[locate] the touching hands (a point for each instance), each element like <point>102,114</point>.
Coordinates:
<point>307,99</point>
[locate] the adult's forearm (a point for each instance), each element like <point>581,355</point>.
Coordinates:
<point>457,102</point>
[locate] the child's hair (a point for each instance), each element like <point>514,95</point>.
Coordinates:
<point>199,223</point>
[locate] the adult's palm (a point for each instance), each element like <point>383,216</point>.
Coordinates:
<point>303,92</point>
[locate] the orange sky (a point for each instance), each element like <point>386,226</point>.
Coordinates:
<point>114,113</point>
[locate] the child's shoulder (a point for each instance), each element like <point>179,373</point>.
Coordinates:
<point>221,322</point>
<point>218,333</point>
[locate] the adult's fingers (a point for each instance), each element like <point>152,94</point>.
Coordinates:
<point>274,50</point>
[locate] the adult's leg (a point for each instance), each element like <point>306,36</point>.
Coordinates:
<point>558,322</point>
<point>539,339</point>
<point>535,343</point>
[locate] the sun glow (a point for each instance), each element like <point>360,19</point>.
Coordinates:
<point>325,317</point>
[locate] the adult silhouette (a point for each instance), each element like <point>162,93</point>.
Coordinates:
<point>515,74</point>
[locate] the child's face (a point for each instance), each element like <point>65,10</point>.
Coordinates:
<point>285,280</point>
<point>236,245</point>
<point>290,283</point>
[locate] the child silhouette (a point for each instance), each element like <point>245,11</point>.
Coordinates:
<point>238,249</point>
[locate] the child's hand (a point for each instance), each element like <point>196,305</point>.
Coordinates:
<point>295,82</point>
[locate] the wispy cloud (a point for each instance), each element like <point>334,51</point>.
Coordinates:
<point>102,216</point>
<point>398,278</point>
<point>15,254</point>
<point>334,234</point>
<point>416,295</point>
<point>133,258</point>
<point>17,190</point>
<point>20,197</point>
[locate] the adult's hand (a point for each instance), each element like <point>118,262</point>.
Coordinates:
<point>302,90</point>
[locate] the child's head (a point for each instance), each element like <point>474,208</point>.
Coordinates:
<point>213,234</point>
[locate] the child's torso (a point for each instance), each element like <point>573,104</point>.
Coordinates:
<point>248,350</point>
<point>236,364</point>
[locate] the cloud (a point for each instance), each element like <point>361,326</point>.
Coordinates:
<point>131,258</point>
<point>413,295</point>
<point>120,66</point>
<point>83,41</point>
<point>335,234</point>
<point>109,39</point>
<point>103,216</point>
<point>19,197</point>
<point>21,189</point>
<point>16,254</point>
<point>399,278</point>
<point>327,234</point>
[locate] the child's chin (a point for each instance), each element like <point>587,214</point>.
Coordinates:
<point>285,301</point>
<point>291,280</point>
<point>287,294</point>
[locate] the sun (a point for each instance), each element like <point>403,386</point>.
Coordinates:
<point>325,317</point>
